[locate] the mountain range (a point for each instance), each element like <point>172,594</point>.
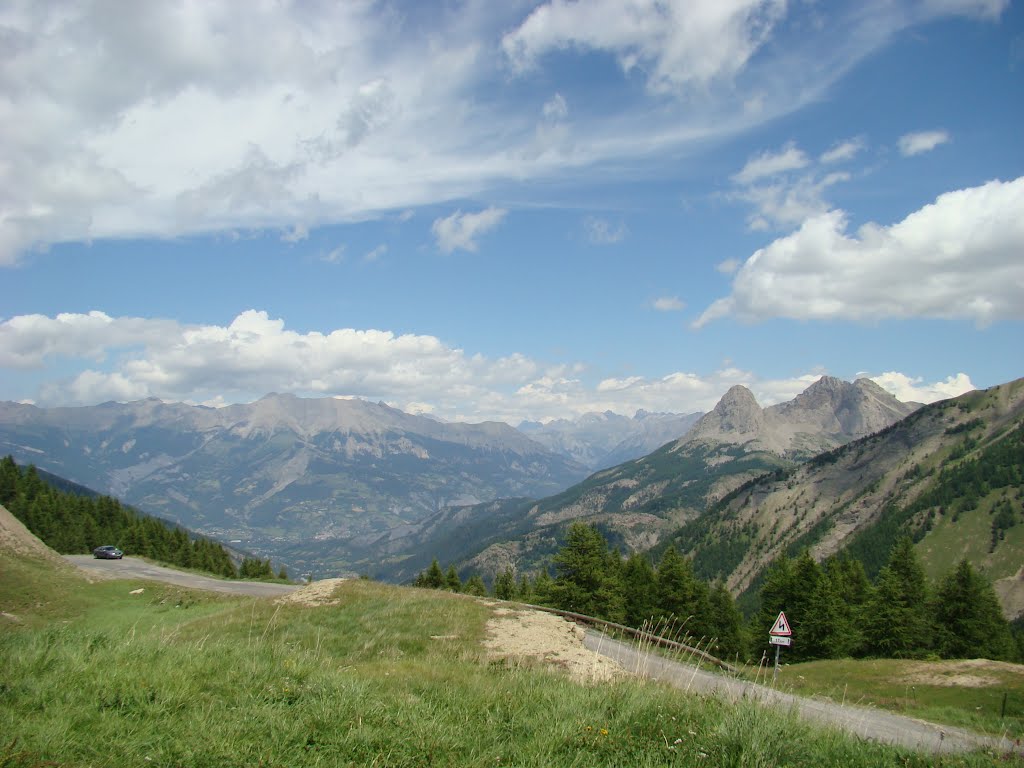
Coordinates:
<point>599,440</point>
<point>283,469</point>
<point>337,485</point>
<point>640,502</point>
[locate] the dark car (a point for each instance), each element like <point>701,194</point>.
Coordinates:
<point>108,552</point>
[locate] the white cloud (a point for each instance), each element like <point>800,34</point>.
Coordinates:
<point>131,358</point>
<point>921,142</point>
<point>296,234</point>
<point>602,232</point>
<point>335,255</point>
<point>556,108</point>
<point>767,164</point>
<point>916,390</point>
<point>789,202</point>
<point>668,304</point>
<point>461,230</point>
<point>323,113</point>
<point>843,151</point>
<point>676,44</point>
<point>376,253</point>
<point>728,267</point>
<point>785,187</point>
<point>958,257</point>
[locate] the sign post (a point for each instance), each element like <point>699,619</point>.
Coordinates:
<point>779,635</point>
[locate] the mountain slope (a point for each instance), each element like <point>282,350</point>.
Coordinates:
<point>638,503</point>
<point>283,469</point>
<point>950,475</point>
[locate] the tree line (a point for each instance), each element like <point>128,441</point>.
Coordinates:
<point>834,609</point>
<point>75,524</point>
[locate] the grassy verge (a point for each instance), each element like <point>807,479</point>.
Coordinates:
<point>967,694</point>
<point>387,677</point>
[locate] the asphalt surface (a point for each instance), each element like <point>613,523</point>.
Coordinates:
<point>134,568</point>
<point>866,723</point>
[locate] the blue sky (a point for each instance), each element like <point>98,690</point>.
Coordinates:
<point>509,211</point>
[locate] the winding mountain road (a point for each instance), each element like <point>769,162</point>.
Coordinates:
<point>134,568</point>
<point>866,723</point>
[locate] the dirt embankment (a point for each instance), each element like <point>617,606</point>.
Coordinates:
<point>314,594</point>
<point>17,540</point>
<point>534,637</point>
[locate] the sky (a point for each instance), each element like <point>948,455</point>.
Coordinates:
<point>509,211</point>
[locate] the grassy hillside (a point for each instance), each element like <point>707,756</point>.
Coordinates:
<point>951,475</point>
<point>93,675</point>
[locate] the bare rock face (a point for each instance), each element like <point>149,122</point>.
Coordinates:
<point>828,413</point>
<point>735,419</point>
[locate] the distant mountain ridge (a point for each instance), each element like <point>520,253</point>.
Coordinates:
<point>283,469</point>
<point>640,502</point>
<point>828,413</point>
<point>599,440</point>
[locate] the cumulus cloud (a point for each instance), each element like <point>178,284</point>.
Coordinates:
<point>917,390</point>
<point>461,230</point>
<point>128,358</point>
<point>958,257</point>
<point>728,267</point>
<point>669,304</point>
<point>924,141</point>
<point>676,44</point>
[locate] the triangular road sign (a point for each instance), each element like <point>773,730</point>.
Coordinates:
<point>781,627</point>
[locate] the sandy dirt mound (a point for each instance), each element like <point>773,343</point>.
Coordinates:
<point>16,539</point>
<point>525,635</point>
<point>318,593</point>
<point>969,673</point>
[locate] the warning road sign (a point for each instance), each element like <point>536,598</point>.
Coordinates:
<point>781,627</point>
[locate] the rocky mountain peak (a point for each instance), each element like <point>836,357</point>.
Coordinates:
<point>736,415</point>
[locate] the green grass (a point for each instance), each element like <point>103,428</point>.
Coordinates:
<point>388,677</point>
<point>926,690</point>
<point>971,537</point>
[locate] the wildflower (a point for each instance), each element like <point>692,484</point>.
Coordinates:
<point>678,741</point>
<point>604,731</point>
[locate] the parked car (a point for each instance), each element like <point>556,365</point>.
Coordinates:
<point>108,552</point>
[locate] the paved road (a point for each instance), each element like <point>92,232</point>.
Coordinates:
<point>134,568</point>
<point>867,723</point>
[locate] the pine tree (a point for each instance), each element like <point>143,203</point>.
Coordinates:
<point>542,586</point>
<point>524,592</point>
<point>778,593</point>
<point>853,590</point>
<point>638,584</point>
<point>587,578</point>
<point>680,598</point>
<point>451,580</point>
<point>968,620</point>
<point>896,621</point>
<point>434,577</point>
<point>505,585</point>
<point>475,586</point>
<point>725,624</point>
